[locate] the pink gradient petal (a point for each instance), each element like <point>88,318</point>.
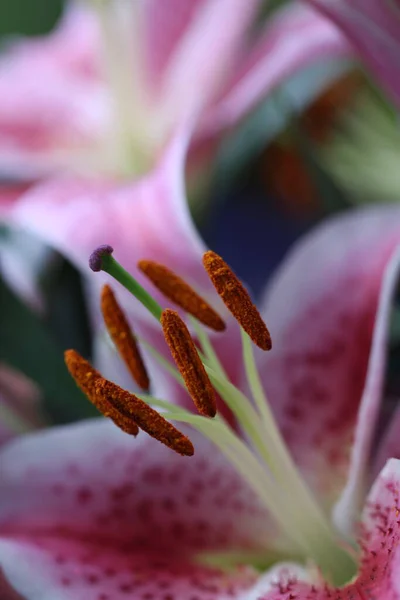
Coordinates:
<point>49,568</point>
<point>205,56</point>
<point>378,575</point>
<point>52,101</point>
<point>145,219</point>
<point>296,37</point>
<point>92,481</point>
<point>164,25</point>
<point>373,27</point>
<point>327,310</point>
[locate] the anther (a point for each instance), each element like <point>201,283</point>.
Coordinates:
<point>188,362</point>
<point>180,292</point>
<point>122,336</point>
<point>86,378</point>
<point>146,417</point>
<point>237,299</point>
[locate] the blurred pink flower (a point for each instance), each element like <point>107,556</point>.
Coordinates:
<point>108,88</point>
<point>87,512</point>
<point>373,28</point>
<point>19,405</point>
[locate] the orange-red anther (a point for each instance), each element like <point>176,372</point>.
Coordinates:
<point>188,362</point>
<point>237,299</point>
<point>146,417</point>
<point>181,293</point>
<point>123,338</point>
<point>86,378</point>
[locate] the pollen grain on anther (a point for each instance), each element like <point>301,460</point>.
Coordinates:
<point>187,360</point>
<point>181,293</point>
<point>86,378</point>
<point>146,417</point>
<point>237,299</point>
<point>123,338</point>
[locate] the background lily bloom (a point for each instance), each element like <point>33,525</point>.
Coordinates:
<point>105,92</point>
<point>88,512</point>
<point>373,28</point>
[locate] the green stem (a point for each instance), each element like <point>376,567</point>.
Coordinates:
<point>113,268</point>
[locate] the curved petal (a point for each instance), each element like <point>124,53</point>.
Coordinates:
<point>373,27</point>
<point>93,481</point>
<point>145,219</point>
<point>52,100</point>
<point>164,26</point>
<point>296,37</point>
<point>378,575</point>
<point>205,54</point>
<point>327,310</point>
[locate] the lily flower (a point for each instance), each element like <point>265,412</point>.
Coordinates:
<point>283,495</point>
<point>373,28</point>
<point>105,92</point>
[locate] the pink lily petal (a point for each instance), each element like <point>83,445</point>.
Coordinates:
<point>89,509</point>
<point>52,99</point>
<point>373,27</point>
<point>296,37</point>
<point>378,575</point>
<point>165,25</point>
<point>192,80</point>
<point>145,219</point>
<point>70,570</point>
<point>92,480</point>
<point>327,310</point>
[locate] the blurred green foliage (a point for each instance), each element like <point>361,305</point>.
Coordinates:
<point>28,17</point>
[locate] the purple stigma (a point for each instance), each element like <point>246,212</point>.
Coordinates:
<point>96,258</point>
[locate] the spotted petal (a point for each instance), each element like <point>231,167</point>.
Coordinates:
<point>327,309</point>
<point>89,511</point>
<point>373,27</point>
<point>378,575</point>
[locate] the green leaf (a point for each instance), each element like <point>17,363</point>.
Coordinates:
<point>27,17</point>
<point>28,346</point>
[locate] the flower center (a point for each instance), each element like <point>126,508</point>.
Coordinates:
<point>132,145</point>
<point>261,458</point>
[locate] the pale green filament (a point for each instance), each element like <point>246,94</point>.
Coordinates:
<point>282,464</point>
<point>113,268</point>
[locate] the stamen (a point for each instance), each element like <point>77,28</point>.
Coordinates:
<point>180,292</point>
<point>122,336</point>
<point>188,362</point>
<point>237,299</point>
<point>101,259</point>
<point>146,417</point>
<point>86,377</point>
